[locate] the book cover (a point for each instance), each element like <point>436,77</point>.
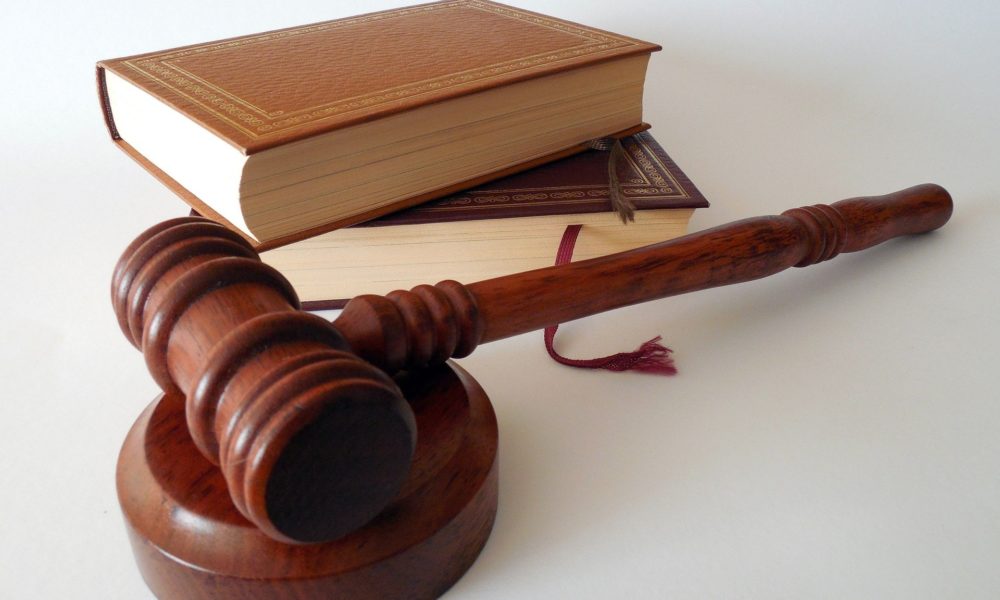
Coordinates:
<point>265,90</point>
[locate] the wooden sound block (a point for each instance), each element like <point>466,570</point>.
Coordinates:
<point>191,543</point>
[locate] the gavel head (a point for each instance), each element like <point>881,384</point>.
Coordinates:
<point>313,441</point>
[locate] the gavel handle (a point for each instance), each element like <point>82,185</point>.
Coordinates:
<point>741,251</point>
<point>312,438</point>
<point>733,253</point>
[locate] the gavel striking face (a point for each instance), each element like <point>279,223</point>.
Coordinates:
<point>313,436</point>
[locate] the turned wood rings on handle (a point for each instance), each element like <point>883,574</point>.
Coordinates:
<point>313,441</point>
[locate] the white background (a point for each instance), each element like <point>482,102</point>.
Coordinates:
<point>833,432</point>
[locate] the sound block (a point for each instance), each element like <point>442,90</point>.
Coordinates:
<point>191,543</point>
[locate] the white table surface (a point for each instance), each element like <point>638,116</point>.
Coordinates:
<point>833,432</point>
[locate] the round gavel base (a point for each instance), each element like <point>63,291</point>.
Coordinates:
<point>191,543</point>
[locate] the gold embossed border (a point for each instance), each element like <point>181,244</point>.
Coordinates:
<point>256,121</point>
<point>649,178</point>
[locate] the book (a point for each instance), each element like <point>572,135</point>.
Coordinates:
<point>509,225</point>
<point>288,133</point>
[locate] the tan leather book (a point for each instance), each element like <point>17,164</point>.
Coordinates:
<point>506,226</point>
<point>287,133</point>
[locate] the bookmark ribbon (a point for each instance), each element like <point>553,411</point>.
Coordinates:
<point>616,151</point>
<point>650,357</point>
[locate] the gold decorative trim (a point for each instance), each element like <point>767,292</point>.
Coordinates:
<point>257,121</point>
<point>657,181</point>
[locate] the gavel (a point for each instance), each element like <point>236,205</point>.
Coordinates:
<point>313,436</point>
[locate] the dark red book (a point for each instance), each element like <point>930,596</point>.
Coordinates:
<point>506,226</point>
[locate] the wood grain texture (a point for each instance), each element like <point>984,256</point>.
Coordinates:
<point>313,439</point>
<point>192,543</point>
<point>737,252</point>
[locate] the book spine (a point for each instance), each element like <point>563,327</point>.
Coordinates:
<point>102,93</point>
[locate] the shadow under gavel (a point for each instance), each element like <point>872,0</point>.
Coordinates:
<point>312,435</point>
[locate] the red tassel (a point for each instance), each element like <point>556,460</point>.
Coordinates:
<point>651,357</point>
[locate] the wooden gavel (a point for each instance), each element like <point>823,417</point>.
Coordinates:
<point>313,436</point>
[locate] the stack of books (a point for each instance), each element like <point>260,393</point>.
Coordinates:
<point>452,140</point>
